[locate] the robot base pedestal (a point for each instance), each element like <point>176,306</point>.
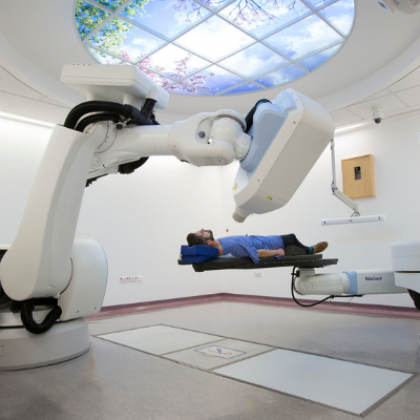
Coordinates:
<point>20,349</point>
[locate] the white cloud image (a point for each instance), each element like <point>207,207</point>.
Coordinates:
<point>214,39</point>
<point>306,37</point>
<point>254,61</point>
<point>169,57</point>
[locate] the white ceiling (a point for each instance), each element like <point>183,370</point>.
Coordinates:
<point>18,98</point>
<point>379,65</point>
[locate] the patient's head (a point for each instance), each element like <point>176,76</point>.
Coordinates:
<point>200,237</point>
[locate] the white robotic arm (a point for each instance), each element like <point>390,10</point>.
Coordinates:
<point>103,135</point>
<point>206,139</point>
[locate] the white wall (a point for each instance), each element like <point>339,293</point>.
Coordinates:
<point>142,219</point>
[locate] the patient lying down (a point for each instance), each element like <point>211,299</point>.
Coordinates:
<point>253,246</point>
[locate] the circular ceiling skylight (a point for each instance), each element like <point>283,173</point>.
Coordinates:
<point>215,47</point>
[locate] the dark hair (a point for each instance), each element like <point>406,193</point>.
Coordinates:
<point>193,239</point>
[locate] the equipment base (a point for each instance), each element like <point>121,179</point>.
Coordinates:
<point>20,349</point>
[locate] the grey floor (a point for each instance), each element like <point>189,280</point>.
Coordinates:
<point>116,382</point>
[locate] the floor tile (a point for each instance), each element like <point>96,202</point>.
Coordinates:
<point>344,385</point>
<point>160,339</point>
<point>218,354</point>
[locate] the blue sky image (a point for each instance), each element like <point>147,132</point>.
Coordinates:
<point>281,76</point>
<point>105,58</point>
<point>222,80</point>
<point>184,42</point>
<point>260,24</point>
<point>184,90</point>
<point>214,39</point>
<point>254,60</point>
<point>316,60</point>
<point>163,18</point>
<point>341,15</point>
<point>319,3</point>
<point>216,4</point>
<point>170,59</point>
<point>303,38</point>
<point>246,87</point>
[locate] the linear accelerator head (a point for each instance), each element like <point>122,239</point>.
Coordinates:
<point>289,135</point>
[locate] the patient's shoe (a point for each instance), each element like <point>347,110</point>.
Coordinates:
<point>319,247</point>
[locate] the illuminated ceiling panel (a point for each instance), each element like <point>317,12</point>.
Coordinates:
<point>216,47</point>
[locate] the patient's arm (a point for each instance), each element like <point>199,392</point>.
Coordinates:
<point>262,253</point>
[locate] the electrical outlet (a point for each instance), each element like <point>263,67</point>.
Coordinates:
<point>257,275</point>
<point>130,279</point>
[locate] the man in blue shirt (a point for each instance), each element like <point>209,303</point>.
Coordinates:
<point>253,246</point>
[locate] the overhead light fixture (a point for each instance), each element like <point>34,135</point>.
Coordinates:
<point>21,118</point>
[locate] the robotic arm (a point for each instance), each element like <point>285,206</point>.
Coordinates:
<point>115,131</point>
<point>206,139</point>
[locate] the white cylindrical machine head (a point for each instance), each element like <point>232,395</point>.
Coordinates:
<point>240,215</point>
<point>289,135</point>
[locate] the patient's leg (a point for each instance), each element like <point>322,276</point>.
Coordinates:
<point>292,240</point>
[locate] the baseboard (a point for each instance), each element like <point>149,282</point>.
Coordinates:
<point>354,308</point>
<point>156,304</point>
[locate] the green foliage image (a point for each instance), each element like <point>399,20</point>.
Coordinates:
<point>112,34</point>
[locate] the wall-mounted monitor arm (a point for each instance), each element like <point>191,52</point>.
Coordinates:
<point>337,193</point>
